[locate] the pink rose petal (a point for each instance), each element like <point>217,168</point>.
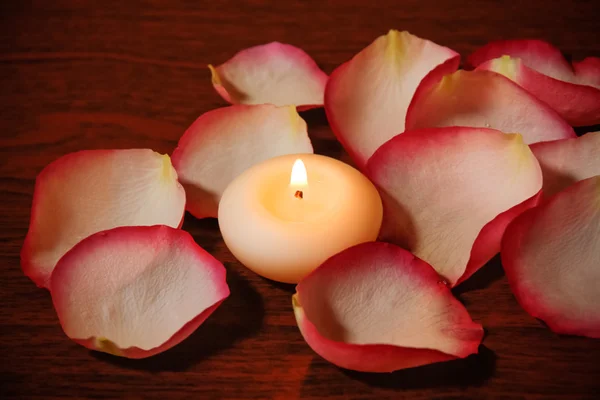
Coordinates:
<point>536,54</point>
<point>377,308</point>
<point>90,191</point>
<point>223,143</point>
<point>540,68</point>
<point>274,73</point>
<point>552,258</point>
<point>441,187</point>
<point>488,241</point>
<point>136,291</point>
<point>565,162</point>
<point>588,70</point>
<point>484,99</point>
<point>366,98</point>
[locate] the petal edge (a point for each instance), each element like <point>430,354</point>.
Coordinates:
<point>324,319</point>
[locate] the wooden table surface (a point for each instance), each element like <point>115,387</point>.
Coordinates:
<point>114,74</point>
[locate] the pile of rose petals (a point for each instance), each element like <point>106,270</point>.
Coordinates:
<point>103,238</point>
<point>468,164</point>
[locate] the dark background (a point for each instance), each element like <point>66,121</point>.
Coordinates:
<point>117,74</point>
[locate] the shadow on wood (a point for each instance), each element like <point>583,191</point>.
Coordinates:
<point>286,287</point>
<point>315,117</point>
<point>471,371</point>
<point>488,274</point>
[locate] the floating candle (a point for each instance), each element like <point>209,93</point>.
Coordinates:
<point>285,216</point>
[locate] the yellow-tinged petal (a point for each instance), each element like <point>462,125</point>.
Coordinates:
<point>366,98</point>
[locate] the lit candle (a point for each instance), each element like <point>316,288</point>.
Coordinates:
<point>283,217</point>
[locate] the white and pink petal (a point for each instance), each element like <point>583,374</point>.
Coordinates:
<point>551,255</point>
<point>136,291</point>
<point>442,187</point>
<point>588,70</point>
<point>90,191</point>
<point>223,143</point>
<point>487,100</point>
<point>273,73</point>
<point>573,90</point>
<point>536,54</point>
<point>565,162</point>
<point>377,308</point>
<point>366,98</point>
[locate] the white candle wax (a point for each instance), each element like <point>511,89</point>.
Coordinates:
<point>283,227</point>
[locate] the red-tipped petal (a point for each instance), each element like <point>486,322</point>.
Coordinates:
<point>565,162</point>
<point>551,258</point>
<point>489,240</point>
<point>537,54</point>
<point>367,97</point>
<point>441,186</point>
<point>588,70</point>
<point>224,142</point>
<point>90,191</point>
<point>484,99</point>
<point>541,57</point>
<point>377,308</point>
<point>274,73</point>
<point>578,104</point>
<point>136,291</point>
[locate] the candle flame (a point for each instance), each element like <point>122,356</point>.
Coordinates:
<point>298,177</point>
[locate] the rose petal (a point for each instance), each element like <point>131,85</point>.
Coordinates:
<point>551,258</point>
<point>484,99</point>
<point>223,143</point>
<point>274,73</point>
<point>565,162</point>
<point>441,186</point>
<point>90,191</point>
<point>489,240</point>
<point>136,291</point>
<point>588,70</point>
<point>542,57</point>
<point>377,308</point>
<point>578,104</point>
<point>537,54</point>
<point>367,97</point>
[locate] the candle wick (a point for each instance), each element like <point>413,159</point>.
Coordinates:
<point>299,194</point>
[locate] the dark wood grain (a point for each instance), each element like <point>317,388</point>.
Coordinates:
<point>117,74</point>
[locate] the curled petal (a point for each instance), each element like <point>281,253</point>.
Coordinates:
<point>574,95</point>
<point>367,97</point>
<point>588,70</point>
<point>274,73</point>
<point>136,291</point>
<point>487,100</point>
<point>90,191</point>
<point>542,57</point>
<point>551,257</point>
<point>489,240</point>
<point>441,187</point>
<point>224,142</point>
<point>565,162</point>
<point>536,54</point>
<point>377,308</point>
